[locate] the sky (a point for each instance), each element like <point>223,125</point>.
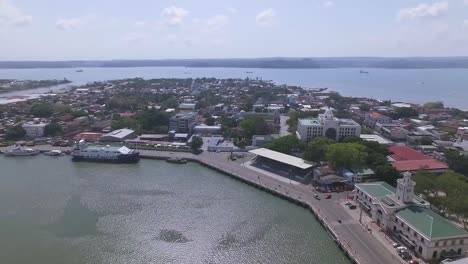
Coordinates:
<point>163,29</point>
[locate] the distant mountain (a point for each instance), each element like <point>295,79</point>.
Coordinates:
<point>288,63</point>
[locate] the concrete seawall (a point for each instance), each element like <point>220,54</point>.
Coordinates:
<point>284,195</point>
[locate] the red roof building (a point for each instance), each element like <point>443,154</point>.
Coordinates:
<point>88,136</point>
<point>408,159</point>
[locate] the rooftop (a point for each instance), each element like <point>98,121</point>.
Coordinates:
<point>283,158</point>
<point>377,189</point>
<point>405,153</point>
<point>415,165</point>
<point>310,122</point>
<point>120,133</point>
<point>429,223</point>
<point>376,138</point>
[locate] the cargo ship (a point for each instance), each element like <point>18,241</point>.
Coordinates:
<point>111,154</point>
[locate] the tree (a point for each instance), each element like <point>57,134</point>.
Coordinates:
<point>347,155</point>
<point>170,102</point>
<point>364,107</point>
<point>197,143</point>
<point>42,110</point>
<point>62,108</point>
<point>405,112</point>
<point>317,149</point>
<point>425,141</point>
<point>284,144</point>
<point>125,123</point>
<point>438,104</point>
<point>210,121</point>
<point>248,127</point>
<point>15,133</point>
<point>53,129</point>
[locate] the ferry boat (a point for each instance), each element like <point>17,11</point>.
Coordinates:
<point>20,151</point>
<point>83,152</point>
<point>54,152</point>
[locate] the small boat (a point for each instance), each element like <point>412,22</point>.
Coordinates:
<point>79,70</point>
<point>54,153</point>
<point>249,72</point>
<point>20,151</point>
<point>176,160</point>
<point>366,72</point>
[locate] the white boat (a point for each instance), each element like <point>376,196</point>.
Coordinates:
<point>20,151</point>
<point>54,152</point>
<point>83,152</point>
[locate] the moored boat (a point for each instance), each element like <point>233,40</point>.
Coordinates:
<point>54,152</point>
<point>176,160</point>
<point>20,151</point>
<point>83,152</point>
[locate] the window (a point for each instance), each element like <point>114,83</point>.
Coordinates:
<point>422,239</point>
<point>445,243</point>
<point>434,254</point>
<point>437,244</point>
<point>461,241</point>
<point>452,242</point>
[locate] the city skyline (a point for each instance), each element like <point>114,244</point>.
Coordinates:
<point>149,29</point>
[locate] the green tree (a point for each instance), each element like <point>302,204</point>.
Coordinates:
<point>347,155</point>
<point>15,133</point>
<point>62,108</point>
<point>248,127</point>
<point>317,149</point>
<point>210,121</point>
<point>197,143</point>
<point>364,107</point>
<point>170,102</point>
<point>53,129</point>
<point>284,144</point>
<point>42,110</point>
<point>434,104</point>
<point>125,123</point>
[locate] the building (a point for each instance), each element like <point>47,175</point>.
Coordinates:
<point>183,122</point>
<point>287,166</point>
<point>218,144</point>
<point>327,125</point>
<point>261,140</point>
<point>119,135</point>
<point>88,136</point>
<point>154,137</point>
<point>34,130</point>
<point>406,159</point>
<point>371,119</point>
<point>407,217</point>
<point>207,130</point>
<point>376,138</point>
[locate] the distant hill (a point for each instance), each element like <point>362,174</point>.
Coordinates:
<point>287,63</point>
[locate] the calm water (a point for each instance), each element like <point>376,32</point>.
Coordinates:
<point>417,86</point>
<point>56,211</point>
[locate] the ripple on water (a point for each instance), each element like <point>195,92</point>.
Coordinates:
<point>172,236</point>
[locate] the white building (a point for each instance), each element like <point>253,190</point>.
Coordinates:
<point>34,130</point>
<point>409,218</point>
<point>327,125</point>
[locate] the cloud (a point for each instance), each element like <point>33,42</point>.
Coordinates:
<point>217,23</point>
<point>137,37</point>
<point>139,24</point>
<point>74,23</point>
<point>328,4</point>
<point>12,15</point>
<point>232,10</point>
<point>265,17</point>
<point>174,16</point>
<point>465,2</point>
<point>423,11</point>
<point>465,24</point>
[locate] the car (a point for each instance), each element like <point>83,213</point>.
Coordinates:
<point>405,255</point>
<point>400,248</point>
<point>348,203</point>
<point>395,245</point>
<point>352,207</point>
<point>413,261</point>
<point>316,196</point>
<point>328,196</point>
<point>339,221</point>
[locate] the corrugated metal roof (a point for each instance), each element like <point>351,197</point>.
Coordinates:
<point>283,158</point>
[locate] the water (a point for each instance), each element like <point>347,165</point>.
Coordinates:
<point>409,85</point>
<point>55,211</point>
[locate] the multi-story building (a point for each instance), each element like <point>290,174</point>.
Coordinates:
<point>327,125</point>
<point>34,130</point>
<point>183,122</point>
<point>409,218</point>
<point>371,119</point>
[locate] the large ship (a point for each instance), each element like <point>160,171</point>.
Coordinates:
<point>84,152</point>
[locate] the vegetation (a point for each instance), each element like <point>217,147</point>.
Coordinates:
<point>447,192</point>
<point>53,129</point>
<point>197,143</point>
<point>285,144</point>
<point>294,117</point>
<point>42,110</point>
<point>437,105</point>
<point>316,150</point>
<point>457,161</point>
<point>15,133</point>
<point>347,155</point>
<point>404,112</point>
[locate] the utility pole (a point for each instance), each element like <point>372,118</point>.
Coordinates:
<point>360,213</point>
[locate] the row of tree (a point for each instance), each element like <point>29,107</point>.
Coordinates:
<point>448,193</point>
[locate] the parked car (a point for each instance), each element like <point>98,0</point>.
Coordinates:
<point>316,196</point>
<point>395,245</point>
<point>405,255</point>
<point>348,203</point>
<point>413,261</point>
<point>400,248</point>
<point>328,196</point>
<point>352,207</point>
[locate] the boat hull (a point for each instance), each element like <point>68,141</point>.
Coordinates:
<point>131,158</point>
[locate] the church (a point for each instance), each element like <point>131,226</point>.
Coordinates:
<point>327,125</point>
<point>399,212</point>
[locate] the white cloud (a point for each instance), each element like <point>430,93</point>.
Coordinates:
<point>137,37</point>
<point>217,23</point>
<point>171,39</point>
<point>465,24</point>
<point>233,10</point>
<point>174,16</point>
<point>423,11</point>
<point>265,17</point>
<point>12,15</point>
<point>465,2</point>
<point>328,4</point>
<point>74,23</point>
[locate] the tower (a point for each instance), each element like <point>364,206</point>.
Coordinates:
<point>405,188</point>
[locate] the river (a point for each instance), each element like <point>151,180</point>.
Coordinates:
<point>55,211</point>
<point>409,85</point>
